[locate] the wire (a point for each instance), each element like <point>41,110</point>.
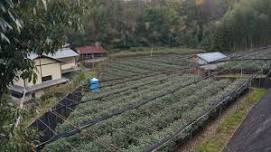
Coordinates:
<point>54,132</point>
<point>62,118</point>
<point>208,76</point>
<point>84,114</point>
<point>121,90</point>
<point>164,141</point>
<point>137,77</point>
<point>93,122</point>
<point>131,136</point>
<point>211,75</point>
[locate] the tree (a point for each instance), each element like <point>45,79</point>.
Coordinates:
<point>8,19</point>
<point>38,26</point>
<point>159,26</point>
<point>44,27</point>
<point>190,23</point>
<point>124,24</point>
<point>246,25</point>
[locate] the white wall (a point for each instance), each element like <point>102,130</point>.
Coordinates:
<point>45,67</point>
<point>68,63</point>
<point>201,61</point>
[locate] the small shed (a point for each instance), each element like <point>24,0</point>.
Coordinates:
<point>91,52</point>
<point>66,56</point>
<point>208,58</point>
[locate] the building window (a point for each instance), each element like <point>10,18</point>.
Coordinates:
<point>46,78</point>
<point>16,94</point>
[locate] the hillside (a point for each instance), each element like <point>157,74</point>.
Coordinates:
<point>209,24</point>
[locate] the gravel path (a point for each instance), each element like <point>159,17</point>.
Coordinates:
<point>254,134</point>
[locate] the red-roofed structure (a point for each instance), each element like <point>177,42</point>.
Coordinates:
<point>91,52</point>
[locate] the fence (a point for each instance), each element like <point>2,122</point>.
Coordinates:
<point>47,123</point>
<point>201,121</point>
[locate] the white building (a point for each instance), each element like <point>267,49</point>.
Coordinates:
<point>49,71</point>
<point>208,58</point>
<point>68,59</point>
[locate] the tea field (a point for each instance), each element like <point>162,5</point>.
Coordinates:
<point>143,103</point>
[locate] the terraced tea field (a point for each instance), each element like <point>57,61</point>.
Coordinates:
<point>144,104</point>
<point>137,119</point>
<point>249,62</point>
<point>146,65</point>
<point>247,67</point>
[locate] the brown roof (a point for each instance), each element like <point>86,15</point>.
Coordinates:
<point>90,49</point>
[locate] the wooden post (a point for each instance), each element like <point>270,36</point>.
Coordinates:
<point>40,69</point>
<point>241,71</point>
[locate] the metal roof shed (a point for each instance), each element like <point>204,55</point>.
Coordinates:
<point>59,54</point>
<point>207,58</point>
<point>63,53</point>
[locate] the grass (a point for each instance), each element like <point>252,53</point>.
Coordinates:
<point>217,141</point>
<point>144,51</point>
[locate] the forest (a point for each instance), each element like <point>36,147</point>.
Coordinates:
<point>43,26</point>
<point>227,25</point>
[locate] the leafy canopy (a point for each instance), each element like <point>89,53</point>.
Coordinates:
<point>39,26</point>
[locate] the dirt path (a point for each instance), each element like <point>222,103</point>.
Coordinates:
<point>254,135</point>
